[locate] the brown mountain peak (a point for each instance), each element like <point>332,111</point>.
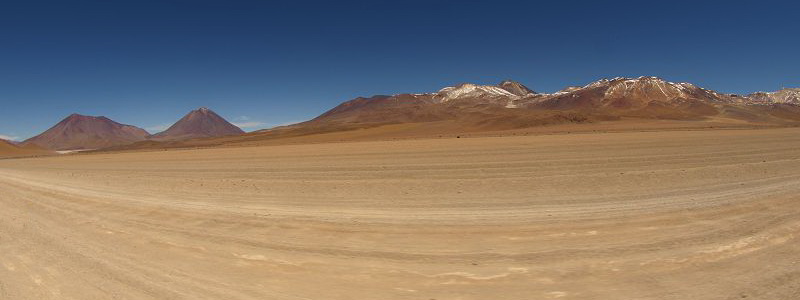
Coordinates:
<point>515,88</point>
<point>78,131</point>
<point>199,123</point>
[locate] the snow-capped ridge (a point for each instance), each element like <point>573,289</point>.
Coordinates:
<point>507,88</point>
<point>782,96</point>
<point>631,80</point>
<point>470,90</point>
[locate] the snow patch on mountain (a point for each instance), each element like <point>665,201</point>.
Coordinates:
<point>469,90</point>
<point>784,96</point>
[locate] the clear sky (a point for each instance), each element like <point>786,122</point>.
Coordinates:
<point>147,63</point>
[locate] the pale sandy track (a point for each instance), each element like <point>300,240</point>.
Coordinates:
<point>648,215</point>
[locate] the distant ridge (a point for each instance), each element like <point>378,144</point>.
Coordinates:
<point>77,132</point>
<point>199,123</point>
<point>12,149</point>
<point>513,105</point>
<point>787,95</point>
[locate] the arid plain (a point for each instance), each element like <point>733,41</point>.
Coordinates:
<point>661,214</point>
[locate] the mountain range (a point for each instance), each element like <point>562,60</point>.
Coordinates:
<point>512,105</point>
<point>507,105</point>
<point>79,132</point>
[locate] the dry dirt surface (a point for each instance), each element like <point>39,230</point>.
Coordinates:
<point>706,214</point>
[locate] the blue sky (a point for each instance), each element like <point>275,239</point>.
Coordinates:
<point>147,63</point>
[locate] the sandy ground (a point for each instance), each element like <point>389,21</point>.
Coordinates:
<point>443,129</point>
<point>711,214</point>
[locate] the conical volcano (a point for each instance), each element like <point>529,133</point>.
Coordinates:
<point>199,123</point>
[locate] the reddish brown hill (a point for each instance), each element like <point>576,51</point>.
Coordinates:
<point>465,102</point>
<point>11,149</point>
<point>86,132</point>
<point>8,149</point>
<point>515,88</point>
<point>199,123</point>
<point>402,108</point>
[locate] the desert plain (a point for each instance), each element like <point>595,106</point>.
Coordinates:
<point>651,214</point>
